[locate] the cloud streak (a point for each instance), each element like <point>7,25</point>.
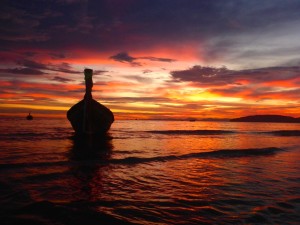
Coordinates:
<point>124,57</point>
<point>32,68</point>
<point>22,71</point>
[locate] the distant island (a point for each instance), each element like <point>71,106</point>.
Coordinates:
<point>267,118</point>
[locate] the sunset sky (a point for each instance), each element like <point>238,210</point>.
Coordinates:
<point>152,59</point>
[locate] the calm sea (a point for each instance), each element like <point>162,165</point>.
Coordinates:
<point>150,172</point>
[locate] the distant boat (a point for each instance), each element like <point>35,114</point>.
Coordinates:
<point>29,117</point>
<point>89,117</point>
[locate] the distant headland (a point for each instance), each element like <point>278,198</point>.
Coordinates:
<point>267,118</point>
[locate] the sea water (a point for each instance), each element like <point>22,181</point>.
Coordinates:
<point>150,172</point>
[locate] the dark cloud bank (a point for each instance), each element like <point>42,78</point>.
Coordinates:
<point>115,24</point>
<point>222,75</point>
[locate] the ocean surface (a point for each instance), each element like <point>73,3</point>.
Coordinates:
<point>150,172</point>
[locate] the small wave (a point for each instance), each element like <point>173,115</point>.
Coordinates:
<point>289,133</point>
<point>192,132</point>
<point>226,153</point>
<point>31,165</point>
<point>243,152</point>
<point>30,136</point>
<point>23,134</point>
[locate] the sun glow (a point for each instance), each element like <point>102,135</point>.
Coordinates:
<point>202,96</point>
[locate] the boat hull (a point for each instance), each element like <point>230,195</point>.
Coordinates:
<point>90,117</point>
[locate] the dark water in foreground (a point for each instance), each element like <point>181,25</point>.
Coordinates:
<point>150,172</point>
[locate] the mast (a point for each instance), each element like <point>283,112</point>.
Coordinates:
<point>87,123</point>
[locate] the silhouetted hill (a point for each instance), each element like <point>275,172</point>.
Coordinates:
<point>267,118</point>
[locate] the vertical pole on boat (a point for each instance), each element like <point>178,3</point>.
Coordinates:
<point>87,123</point>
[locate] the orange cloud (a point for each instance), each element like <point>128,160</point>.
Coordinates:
<point>288,83</point>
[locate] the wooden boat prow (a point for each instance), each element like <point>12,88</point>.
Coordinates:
<point>99,119</point>
<point>89,117</point>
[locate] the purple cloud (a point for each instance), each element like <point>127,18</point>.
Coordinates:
<point>61,79</point>
<point>222,75</point>
<point>23,71</point>
<point>125,57</point>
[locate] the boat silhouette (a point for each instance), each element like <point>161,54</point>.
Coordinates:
<point>29,117</point>
<point>89,117</point>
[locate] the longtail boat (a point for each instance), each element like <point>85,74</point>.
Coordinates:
<point>29,117</point>
<point>89,117</point>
